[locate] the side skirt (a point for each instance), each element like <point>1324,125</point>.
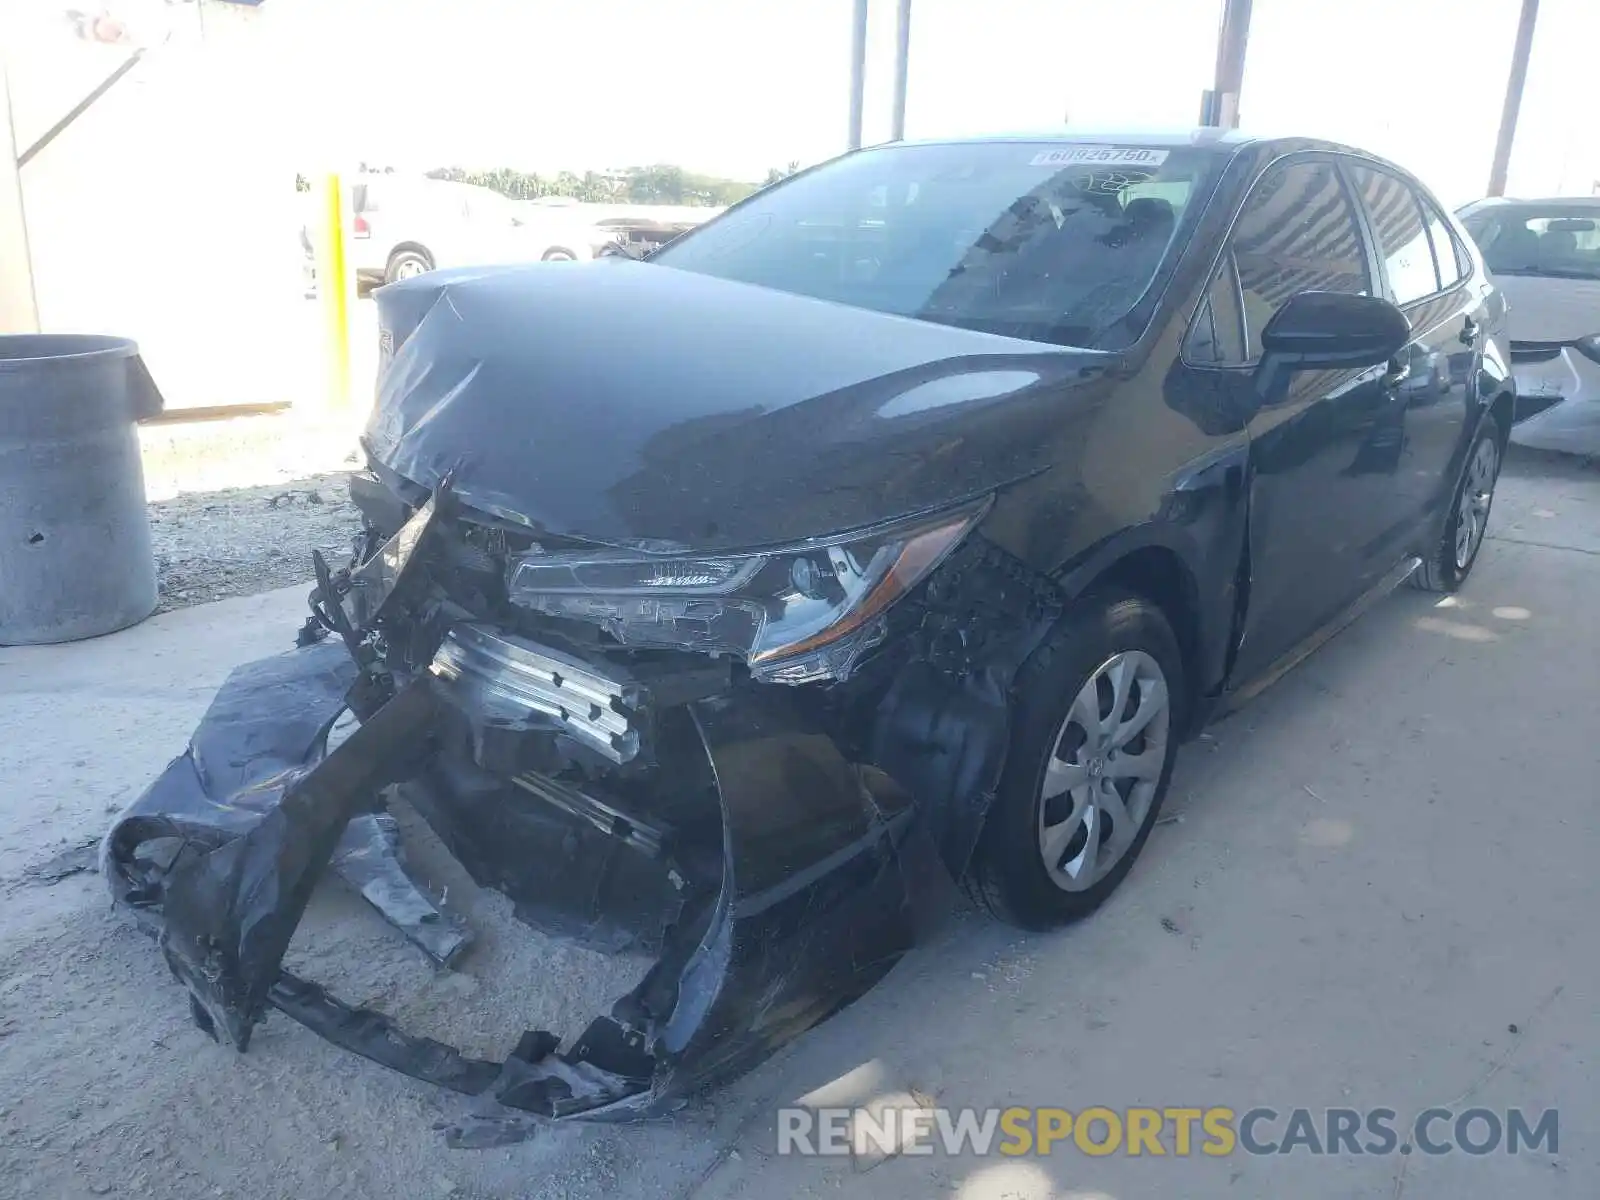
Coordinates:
<point>1234,697</point>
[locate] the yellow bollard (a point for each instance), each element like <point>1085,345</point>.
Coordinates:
<point>333,288</point>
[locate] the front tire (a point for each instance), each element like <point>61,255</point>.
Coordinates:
<point>1097,714</point>
<point>1447,568</point>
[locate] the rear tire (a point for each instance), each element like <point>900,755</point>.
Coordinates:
<point>558,254</point>
<point>1447,568</point>
<point>1034,866</point>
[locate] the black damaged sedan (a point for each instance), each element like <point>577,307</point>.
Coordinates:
<point>897,525</point>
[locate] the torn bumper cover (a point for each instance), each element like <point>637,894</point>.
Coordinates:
<point>811,910</point>
<point>776,868</point>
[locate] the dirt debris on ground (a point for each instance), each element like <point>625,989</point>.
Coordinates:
<point>213,545</point>
<point>237,506</point>
<point>77,858</point>
<point>156,1109</point>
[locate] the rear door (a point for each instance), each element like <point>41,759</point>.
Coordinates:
<point>1318,503</point>
<point>1433,398</point>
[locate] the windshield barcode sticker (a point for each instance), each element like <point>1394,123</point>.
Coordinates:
<point>1110,156</point>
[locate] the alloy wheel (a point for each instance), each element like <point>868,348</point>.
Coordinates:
<point>1477,494</point>
<point>1104,770</point>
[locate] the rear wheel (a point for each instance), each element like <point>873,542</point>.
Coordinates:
<point>407,263</point>
<point>1095,734</point>
<point>558,254</point>
<point>1452,559</point>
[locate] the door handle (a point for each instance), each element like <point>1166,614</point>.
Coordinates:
<point>1397,374</point>
<point>1469,331</point>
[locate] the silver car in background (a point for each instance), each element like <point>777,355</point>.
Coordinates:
<point>1545,255</point>
<point>401,226</point>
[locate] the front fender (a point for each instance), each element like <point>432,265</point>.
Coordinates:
<point>1201,528</point>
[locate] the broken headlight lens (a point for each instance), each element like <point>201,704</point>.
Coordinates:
<point>795,615</point>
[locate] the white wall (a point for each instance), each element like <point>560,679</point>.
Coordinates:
<point>167,212</point>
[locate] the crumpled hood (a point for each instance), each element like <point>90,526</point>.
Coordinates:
<point>1543,309</point>
<point>638,405</point>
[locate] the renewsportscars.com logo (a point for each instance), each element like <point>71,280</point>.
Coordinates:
<point>1216,1132</point>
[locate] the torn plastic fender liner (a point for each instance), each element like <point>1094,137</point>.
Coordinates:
<point>229,914</point>
<point>943,728</point>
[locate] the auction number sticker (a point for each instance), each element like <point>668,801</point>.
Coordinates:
<point>1100,156</point>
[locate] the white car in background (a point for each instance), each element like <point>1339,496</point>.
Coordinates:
<point>1545,256</point>
<point>402,226</point>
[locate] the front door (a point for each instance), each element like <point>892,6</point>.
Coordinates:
<point>1324,452</point>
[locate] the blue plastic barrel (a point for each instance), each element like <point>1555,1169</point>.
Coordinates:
<point>75,557</point>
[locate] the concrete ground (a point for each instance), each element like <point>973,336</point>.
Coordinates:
<point>1380,894</point>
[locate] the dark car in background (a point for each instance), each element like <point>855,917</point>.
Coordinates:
<point>909,515</point>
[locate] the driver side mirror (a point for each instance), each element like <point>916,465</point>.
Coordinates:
<point>1334,329</point>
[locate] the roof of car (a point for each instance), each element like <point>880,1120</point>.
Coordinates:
<point>1541,201</point>
<point>1206,137</point>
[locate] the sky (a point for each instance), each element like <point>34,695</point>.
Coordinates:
<point>183,172</point>
<point>733,87</point>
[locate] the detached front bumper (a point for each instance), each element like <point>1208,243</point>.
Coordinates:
<point>1558,398</point>
<point>773,847</point>
<point>807,908</point>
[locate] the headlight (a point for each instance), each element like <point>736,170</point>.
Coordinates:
<point>1589,347</point>
<point>795,614</point>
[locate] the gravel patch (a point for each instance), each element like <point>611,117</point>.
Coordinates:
<point>213,545</point>
<point>237,506</point>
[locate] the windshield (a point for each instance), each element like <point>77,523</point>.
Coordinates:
<point>1045,241</point>
<point>1557,241</point>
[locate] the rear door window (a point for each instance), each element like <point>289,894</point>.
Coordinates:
<point>1403,243</point>
<point>1447,256</point>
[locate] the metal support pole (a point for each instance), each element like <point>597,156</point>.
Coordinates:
<point>902,66</point>
<point>1508,115</point>
<point>19,306</point>
<point>1220,106</point>
<point>78,109</point>
<point>333,287</point>
<point>858,70</point>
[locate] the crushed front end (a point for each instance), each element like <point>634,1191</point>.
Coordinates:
<point>760,768</point>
